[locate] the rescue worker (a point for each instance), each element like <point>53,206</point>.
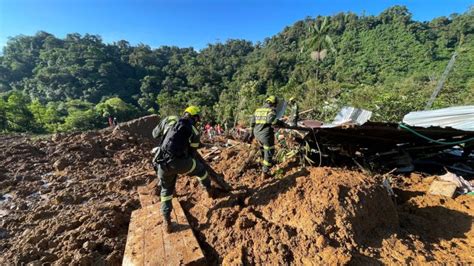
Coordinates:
<point>294,112</point>
<point>175,155</point>
<point>262,124</point>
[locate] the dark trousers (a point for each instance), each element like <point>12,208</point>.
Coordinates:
<point>267,149</point>
<point>167,173</point>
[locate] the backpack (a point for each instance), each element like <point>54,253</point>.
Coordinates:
<point>176,141</point>
<point>159,132</point>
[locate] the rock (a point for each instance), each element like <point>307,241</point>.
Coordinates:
<point>89,245</point>
<point>57,137</point>
<point>3,233</point>
<point>60,164</point>
<point>60,229</point>
<point>22,206</point>
<point>83,218</point>
<point>42,244</point>
<point>34,239</point>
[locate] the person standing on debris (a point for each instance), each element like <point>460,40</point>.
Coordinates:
<point>176,155</point>
<point>226,127</point>
<point>294,112</point>
<point>218,129</point>
<point>262,124</point>
<point>111,121</point>
<point>208,129</point>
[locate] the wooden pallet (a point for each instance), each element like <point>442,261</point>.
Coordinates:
<point>148,244</point>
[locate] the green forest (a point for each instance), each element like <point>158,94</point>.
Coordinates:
<point>389,64</point>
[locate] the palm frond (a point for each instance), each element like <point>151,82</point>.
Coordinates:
<point>330,44</point>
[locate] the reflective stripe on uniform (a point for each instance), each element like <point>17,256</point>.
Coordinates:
<point>192,168</point>
<point>166,198</point>
<point>261,115</point>
<point>196,133</point>
<point>203,177</point>
<point>265,147</point>
<point>195,130</point>
<point>266,163</point>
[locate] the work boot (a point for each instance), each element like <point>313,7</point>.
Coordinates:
<point>167,224</point>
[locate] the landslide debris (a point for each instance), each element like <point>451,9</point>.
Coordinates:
<point>67,199</point>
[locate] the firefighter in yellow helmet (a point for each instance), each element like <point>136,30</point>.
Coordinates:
<point>176,155</point>
<point>263,121</point>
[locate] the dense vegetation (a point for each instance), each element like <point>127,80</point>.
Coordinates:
<point>388,63</point>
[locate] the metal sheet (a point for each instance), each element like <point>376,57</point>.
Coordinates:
<point>458,117</point>
<point>350,115</point>
<point>280,109</point>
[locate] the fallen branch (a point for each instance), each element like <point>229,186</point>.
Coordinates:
<point>211,153</point>
<point>139,174</point>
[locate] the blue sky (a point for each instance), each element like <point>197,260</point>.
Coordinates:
<point>188,23</point>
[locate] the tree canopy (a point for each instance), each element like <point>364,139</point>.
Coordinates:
<point>387,63</point>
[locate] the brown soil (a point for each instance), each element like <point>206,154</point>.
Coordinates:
<point>67,199</point>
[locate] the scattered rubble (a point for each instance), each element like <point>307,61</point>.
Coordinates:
<point>67,199</point>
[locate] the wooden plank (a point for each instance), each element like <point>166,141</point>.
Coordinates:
<point>134,247</point>
<point>443,188</point>
<point>148,244</point>
<point>154,237</point>
<point>147,196</point>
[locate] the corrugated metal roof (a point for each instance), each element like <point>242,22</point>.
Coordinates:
<point>350,115</point>
<point>459,117</point>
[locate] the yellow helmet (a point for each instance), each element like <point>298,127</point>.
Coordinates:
<point>271,99</point>
<point>292,99</point>
<point>193,110</point>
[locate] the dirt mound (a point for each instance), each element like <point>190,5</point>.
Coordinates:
<point>67,199</point>
<point>320,216</point>
<point>434,228</point>
<point>140,127</point>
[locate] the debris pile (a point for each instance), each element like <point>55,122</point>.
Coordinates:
<point>301,217</point>
<point>67,199</point>
<point>433,141</point>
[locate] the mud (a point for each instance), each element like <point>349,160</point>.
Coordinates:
<point>67,199</point>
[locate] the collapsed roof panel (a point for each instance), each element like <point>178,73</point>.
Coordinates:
<point>459,117</point>
<point>350,115</point>
<point>378,135</point>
